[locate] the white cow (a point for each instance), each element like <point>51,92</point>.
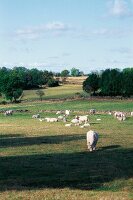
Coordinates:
<point>120,116</point>
<point>86,125</point>
<point>92,138</point>
<point>36,116</point>
<point>92,111</point>
<point>75,121</point>
<point>83,118</point>
<point>8,112</point>
<point>48,119</point>
<point>58,112</point>
<point>110,113</point>
<point>67,112</point>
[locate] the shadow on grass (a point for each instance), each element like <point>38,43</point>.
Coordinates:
<point>12,141</point>
<point>110,147</point>
<point>79,170</point>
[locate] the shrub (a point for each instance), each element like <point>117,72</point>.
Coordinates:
<point>53,83</point>
<point>3,102</point>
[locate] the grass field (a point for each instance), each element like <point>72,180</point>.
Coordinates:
<point>48,161</point>
<point>63,91</point>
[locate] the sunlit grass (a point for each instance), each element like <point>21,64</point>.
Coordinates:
<point>63,91</point>
<point>75,105</point>
<point>40,160</point>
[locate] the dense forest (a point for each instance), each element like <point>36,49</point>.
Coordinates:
<point>110,82</point>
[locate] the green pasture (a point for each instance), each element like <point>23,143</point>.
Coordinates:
<point>48,161</point>
<point>74,105</point>
<point>62,91</point>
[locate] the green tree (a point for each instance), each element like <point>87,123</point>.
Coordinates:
<point>47,76</point>
<point>111,82</point>
<point>40,93</point>
<point>17,94</point>
<point>91,84</point>
<point>52,83</point>
<point>127,80</point>
<point>11,86</point>
<point>65,73</point>
<point>75,72</point>
<point>37,77</point>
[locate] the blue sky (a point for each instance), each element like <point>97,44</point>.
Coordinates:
<point>60,34</point>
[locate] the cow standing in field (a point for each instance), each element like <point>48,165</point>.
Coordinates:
<point>83,118</point>
<point>92,138</point>
<point>120,116</point>
<point>8,112</point>
<point>92,111</point>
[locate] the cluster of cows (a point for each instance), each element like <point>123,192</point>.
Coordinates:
<point>82,121</point>
<point>77,120</point>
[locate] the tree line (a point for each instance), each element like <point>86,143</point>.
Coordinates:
<point>14,81</point>
<point>110,82</point>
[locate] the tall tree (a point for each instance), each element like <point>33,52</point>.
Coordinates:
<point>91,84</point>
<point>65,73</point>
<point>11,86</point>
<point>127,89</point>
<point>74,72</point>
<point>40,93</point>
<point>111,82</point>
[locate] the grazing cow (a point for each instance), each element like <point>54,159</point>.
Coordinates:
<point>35,116</point>
<point>110,113</point>
<point>120,116</point>
<point>83,118</point>
<point>48,119</point>
<point>67,112</point>
<point>8,112</point>
<point>86,125</point>
<point>58,112</point>
<point>61,117</point>
<point>92,138</point>
<point>75,121</point>
<point>92,111</point>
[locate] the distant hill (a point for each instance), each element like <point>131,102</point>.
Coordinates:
<point>72,80</point>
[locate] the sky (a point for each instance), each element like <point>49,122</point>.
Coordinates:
<point>54,35</point>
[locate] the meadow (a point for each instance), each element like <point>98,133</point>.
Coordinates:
<point>48,161</point>
<point>63,91</point>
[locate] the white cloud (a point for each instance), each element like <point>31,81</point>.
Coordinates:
<point>36,32</point>
<point>119,8</point>
<point>56,26</point>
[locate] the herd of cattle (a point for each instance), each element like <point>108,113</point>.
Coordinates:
<point>81,121</point>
